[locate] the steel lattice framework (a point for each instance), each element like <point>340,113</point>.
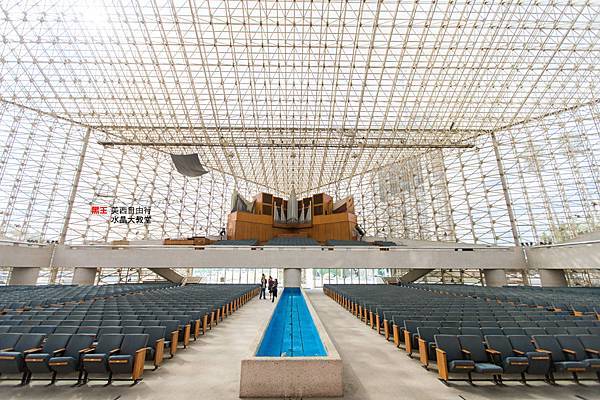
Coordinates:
<point>446,120</point>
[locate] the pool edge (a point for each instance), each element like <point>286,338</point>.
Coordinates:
<point>319,376</point>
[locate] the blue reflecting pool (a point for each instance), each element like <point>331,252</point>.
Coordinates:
<point>291,332</point>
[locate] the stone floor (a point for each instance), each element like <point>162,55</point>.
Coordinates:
<point>210,368</point>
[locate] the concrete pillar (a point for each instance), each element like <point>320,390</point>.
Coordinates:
<point>495,277</point>
<point>84,276</point>
<point>292,277</point>
<point>553,277</point>
<point>24,276</point>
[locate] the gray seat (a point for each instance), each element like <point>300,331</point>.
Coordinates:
<point>131,355</point>
<point>13,361</point>
<point>560,363</point>
<point>53,346</point>
<point>475,350</point>
<point>70,361</point>
<point>454,357</point>
<point>502,353</point>
<point>97,361</point>
<point>575,350</point>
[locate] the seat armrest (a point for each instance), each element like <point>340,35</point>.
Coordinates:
<point>543,351</point>
<point>113,351</point>
<point>86,350</point>
<point>518,352</point>
<point>7,349</point>
<point>33,350</point>
<point>57,351</point>
<point>592,351</point>
<point>492,351</point>
<point>569,351</point>
<point>465,351</point>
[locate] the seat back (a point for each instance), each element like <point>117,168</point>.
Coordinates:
<point>131,322</point>
<point>449,330</point>
<point>571,342</point>
<point>548,342</point>
<point>132,343</point>
<point>513,331</point>
<point>54,342</point>
<point>154,333</point>
<point>591,342</point>
<point>70,330</point>
<point>8,340</point>
<point>133,329</point>
<point>108,342</point>
<point>594,330</point>
<point>21,329</point>
<point>474,345</point>
<point>471,331</point>
<point>574,330</point>
<point>105,330</point>
<point>89,330</point>
<point>491,331</point>
<point>501,344</point>
<point>427,333</point>
<point>449,344</point>
<point>45,329</point>
<point>78,342</point>
<point>170,325</point>
<point>535,331</point>
<point>29,341</point>
<point>521,343</point>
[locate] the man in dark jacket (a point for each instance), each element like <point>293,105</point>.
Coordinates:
<point>270,286</point>
<point>263,288</point>
<point>274,290</point>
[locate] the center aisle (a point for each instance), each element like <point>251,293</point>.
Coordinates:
<point>374,370</point>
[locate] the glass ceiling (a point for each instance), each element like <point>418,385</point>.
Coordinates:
<point>298,93</point>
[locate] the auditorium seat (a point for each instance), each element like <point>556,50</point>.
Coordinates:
<point>131,357</point>
<point>37,362</point>
<point>156,344</point>
<point>450,358</point>
<point>70,360</point>
<point>501,351</point>
<point>473,347</point>
<point>560,363</point>
<point>12,361</point>
<point>96,362</point>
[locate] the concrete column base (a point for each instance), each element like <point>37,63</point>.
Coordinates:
<point>292,277</point>
<point>553,277</point>
<point>495,277</point>
<point>84,276</point>
<point>24,276</point>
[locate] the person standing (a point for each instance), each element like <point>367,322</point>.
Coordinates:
<point>270,287</point>
<point>263,287</point>
<point>274,290</point>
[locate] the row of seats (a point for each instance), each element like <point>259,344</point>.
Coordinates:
<point>545,355</point>
<point>574,299</point>
<point>167,317</point>
<point>414,318</point>
<point>63,354</point>
<point>27,296</point>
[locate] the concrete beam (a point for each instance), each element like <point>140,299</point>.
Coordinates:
<point>290,257</point>
<point>578,255</point>
<point>24,276</point>
<point>495,277</point>
<point>413,275</point>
